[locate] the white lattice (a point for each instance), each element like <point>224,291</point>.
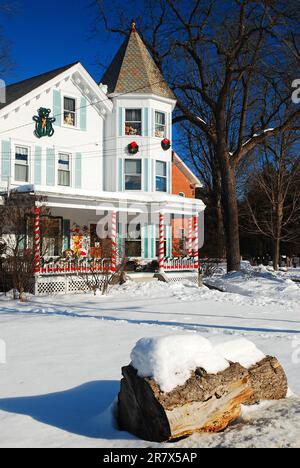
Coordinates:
<point>180,277</point>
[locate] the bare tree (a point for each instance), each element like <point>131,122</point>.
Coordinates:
<point>16,221</point>
<point>271,207</point>
<point>228,64</point>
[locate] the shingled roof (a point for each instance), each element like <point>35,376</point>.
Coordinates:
<point>17,90</point>
<point>133,70</point>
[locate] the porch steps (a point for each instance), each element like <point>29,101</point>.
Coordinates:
<point>142,277</point>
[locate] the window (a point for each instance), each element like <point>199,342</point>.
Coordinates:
<point>181,194</point>
<point>133,243</point>
<point>21,164</point>
<point>133,174</point>
<point>161,176</point>
<point>133,122</point>
<point>64,173</point>
<point>160,125</point>
<point>70,112</point>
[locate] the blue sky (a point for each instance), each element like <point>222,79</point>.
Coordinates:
<point>47,35</point>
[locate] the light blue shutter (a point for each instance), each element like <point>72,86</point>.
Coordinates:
<point>153,241</point>
<point>146,122</point>
<point>120,241</point>
<point>66,233</point>
<point>169,175</point>
<point>120,121</point>
<point>50,166</point>
<point>153,175</point>
<point>38,165</point>
<point>83,114</point>
<point>146,175</point>
<point>145,241</point>
<point>120,175</point>
<point>169,240</point>
<point>78,170</point>
<point>5,160</point>
<point>57,107</point>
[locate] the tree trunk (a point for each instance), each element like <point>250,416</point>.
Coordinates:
<point>217,202</point>
<point>278,224</point>
<point>230,215</point>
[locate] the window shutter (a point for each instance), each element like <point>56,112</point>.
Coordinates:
<point>153,123</point>
<point>83,114</point>
<point>66,234</point>
<point>38,165</point>
<point>146,122</point>
<point>78,170</point>
<point>50,166</point>
<point>57,111</point>
<point>145,241</point>
<point>5,160</point>
<point>169,174</point>
<point>146,175</point>
<point>153,175</point>
<point>120,121</point>
<point>120,181</point>
<point>169,240</point>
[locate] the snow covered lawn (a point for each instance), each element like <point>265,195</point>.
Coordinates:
<point>64,359</point>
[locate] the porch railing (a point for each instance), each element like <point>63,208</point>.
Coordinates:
<point>179,263</point>
<point>71,266</point>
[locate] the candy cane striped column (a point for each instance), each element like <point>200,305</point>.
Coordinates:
<point>37,241</point>
<point>114,241</point>
<point>190,237</point>
<point>161,252</point>
<point>196,243</point>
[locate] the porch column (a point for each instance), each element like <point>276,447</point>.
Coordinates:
<point>37,241</point>
<point>161,252</point>
<point>196,243</point>
<point>190,237</point>
<point>114,241</point>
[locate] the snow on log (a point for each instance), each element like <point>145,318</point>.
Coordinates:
<point>181,384</point>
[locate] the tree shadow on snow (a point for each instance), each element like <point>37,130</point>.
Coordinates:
<point>86,410</point>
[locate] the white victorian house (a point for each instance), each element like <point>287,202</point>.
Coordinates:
<point>106,170</point>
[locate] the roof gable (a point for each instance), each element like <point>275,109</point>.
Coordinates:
<point>18,90</point>
<point>133,70</point>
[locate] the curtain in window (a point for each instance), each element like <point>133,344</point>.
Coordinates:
<point>21,154</point>
<point>69,104</point>
<point>133,166</point>
<point>161,169</point>
<point>64,178</point>
<point>21,173</point>
<point>133,115</point>
<point>160,118</point>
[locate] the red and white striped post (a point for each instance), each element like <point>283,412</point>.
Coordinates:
<point>161,251</point>
<point>196,243</point>
<point>190,237</point>
<point>37,241</point>
<point>114,241</point>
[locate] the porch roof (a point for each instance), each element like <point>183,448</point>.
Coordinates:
<point>119,201</point>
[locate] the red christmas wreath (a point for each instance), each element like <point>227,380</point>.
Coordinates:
<point>133,148</point>
<point>166,144</point>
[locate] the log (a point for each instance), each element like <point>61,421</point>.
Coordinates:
<point>268,381</point>
<point>206,402</point>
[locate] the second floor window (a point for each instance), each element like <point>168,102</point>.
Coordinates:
<point>21,164</point>
<point>133,174</point>
<point>160,125</point>
<point>133,122</point>
<point>70,112</point>
<point>161,176</point>
<point>64,177</point>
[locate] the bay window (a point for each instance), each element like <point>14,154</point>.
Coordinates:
<point>21,164</point>
<point>133,122</point>
<point>133,174</point>
<point>161,176</point>
<point>64,173</point>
